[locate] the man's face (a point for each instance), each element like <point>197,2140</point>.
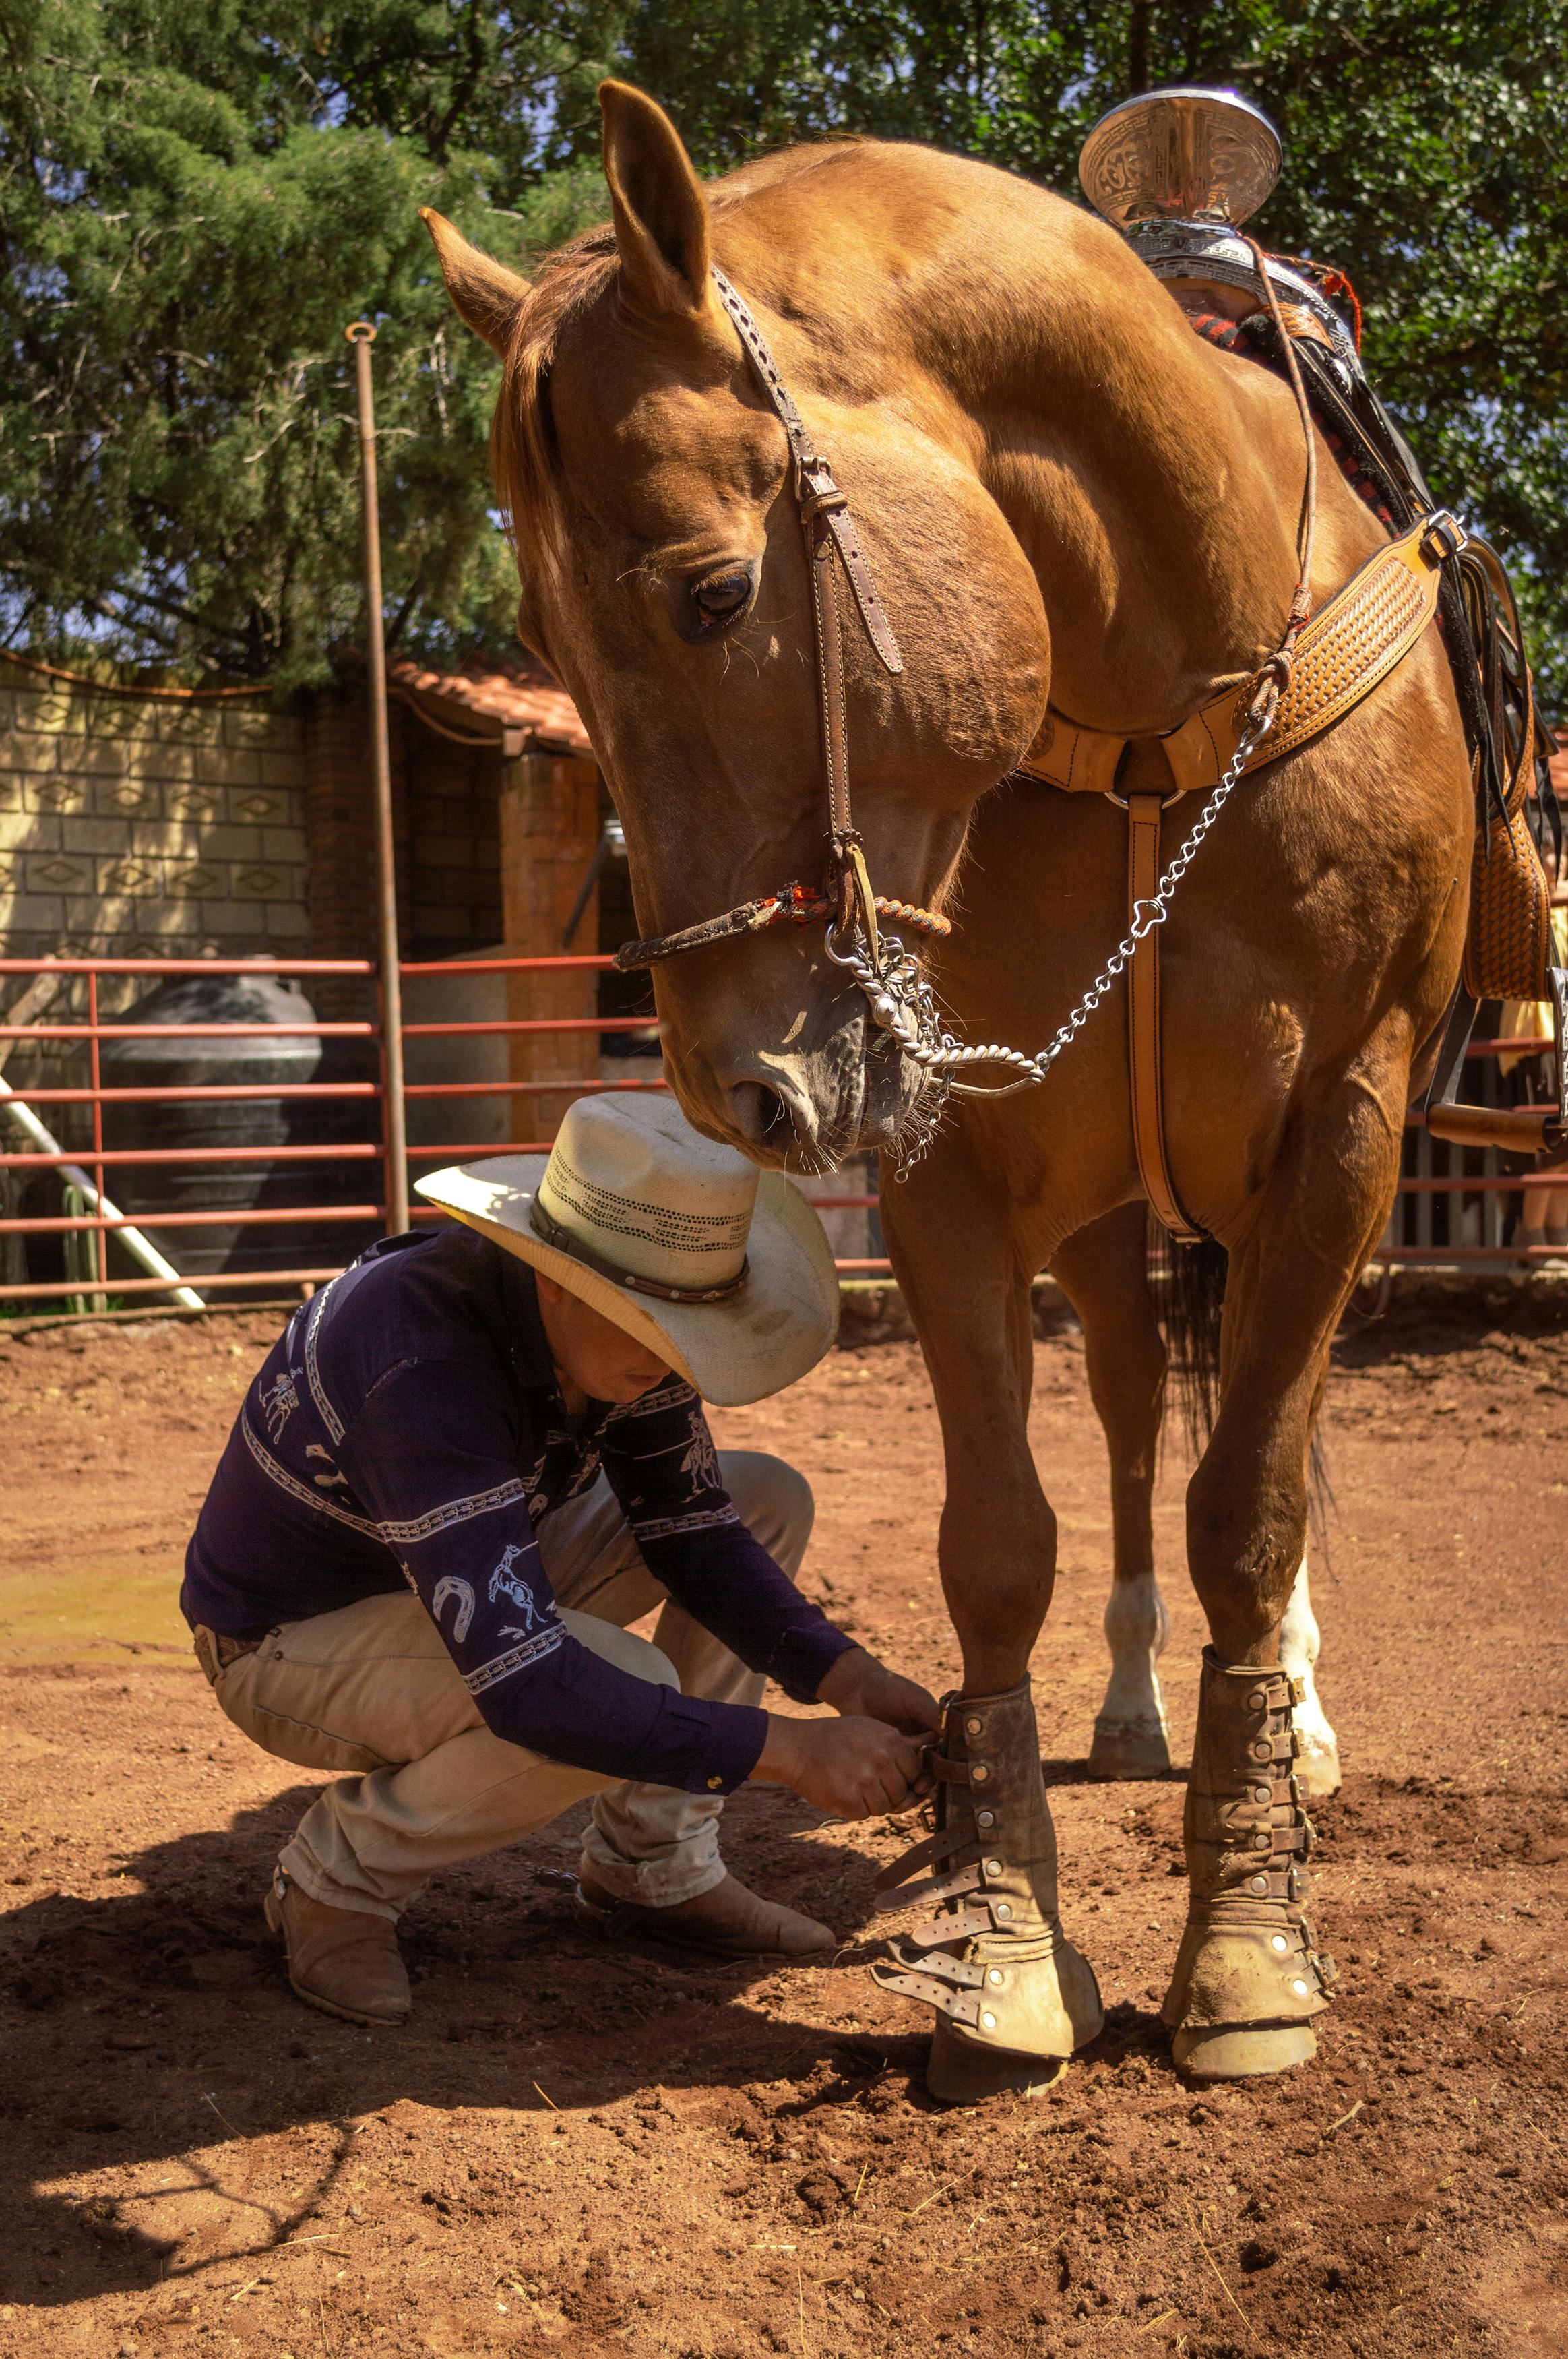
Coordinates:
<point>591,1352</point>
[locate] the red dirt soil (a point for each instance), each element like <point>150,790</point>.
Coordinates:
<point>597,2150</point>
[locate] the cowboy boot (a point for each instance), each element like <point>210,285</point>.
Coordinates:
<point>1248,1978</point>
<point>343,1961</point>
<point>1011,1994</point>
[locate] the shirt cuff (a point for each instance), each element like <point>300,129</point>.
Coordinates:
<point>802,1660</point>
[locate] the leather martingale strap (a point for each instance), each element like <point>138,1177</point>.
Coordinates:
<point>1341,655</point>
<point>1144,815</point>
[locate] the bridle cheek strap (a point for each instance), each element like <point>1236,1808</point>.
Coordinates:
<point>847,899</point>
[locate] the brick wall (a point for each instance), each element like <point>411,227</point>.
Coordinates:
<point>549,827</point>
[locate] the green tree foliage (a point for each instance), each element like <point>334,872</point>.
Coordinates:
<point>195,195</point>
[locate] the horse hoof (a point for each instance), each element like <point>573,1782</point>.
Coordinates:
<point>1130,1748</point>
<point>1317,1770</point>
<point>962,2072</point>
<point>1242,2051</point>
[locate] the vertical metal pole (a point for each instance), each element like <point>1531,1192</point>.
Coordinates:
<point>362,335</point>
<point>98,1241</point>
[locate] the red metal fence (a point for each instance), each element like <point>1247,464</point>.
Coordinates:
<point>1455,1190</point>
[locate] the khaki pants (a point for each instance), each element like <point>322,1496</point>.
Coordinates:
<point>373,1689</point>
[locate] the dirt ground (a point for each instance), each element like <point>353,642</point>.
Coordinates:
<point>599,2150</point>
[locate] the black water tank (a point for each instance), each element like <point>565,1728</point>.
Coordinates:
<point>283,1058</point>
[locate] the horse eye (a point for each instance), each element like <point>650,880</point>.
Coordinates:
<point>722,596</point>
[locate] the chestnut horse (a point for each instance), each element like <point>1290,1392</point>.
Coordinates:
<point>1064,494</point>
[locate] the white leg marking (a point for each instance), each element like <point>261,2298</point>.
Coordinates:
<point>1131,1733</point>
<point>1317,1770</point>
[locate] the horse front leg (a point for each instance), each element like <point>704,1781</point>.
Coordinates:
<point>1249,1979</point>
<point>1013,1996</point>
<point>1103,1270</point>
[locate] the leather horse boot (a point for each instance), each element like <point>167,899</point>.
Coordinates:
<point>1248,1978</point>
<point>1013,1996</point>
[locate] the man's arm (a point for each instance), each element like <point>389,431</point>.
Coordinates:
<point>432,1459</point>
<point>662,1464</point>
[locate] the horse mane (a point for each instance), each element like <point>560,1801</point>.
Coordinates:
<point>524,456</point>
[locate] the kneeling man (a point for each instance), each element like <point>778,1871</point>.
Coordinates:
<point>464,1467</point>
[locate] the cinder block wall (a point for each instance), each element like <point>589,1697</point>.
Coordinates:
<point>141,829</point>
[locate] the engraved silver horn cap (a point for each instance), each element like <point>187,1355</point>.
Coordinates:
<point>1182,154</point>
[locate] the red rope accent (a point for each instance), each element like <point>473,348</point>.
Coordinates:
<point>797,904</point>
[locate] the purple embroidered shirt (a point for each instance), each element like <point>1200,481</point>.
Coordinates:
<point>406,1427</point>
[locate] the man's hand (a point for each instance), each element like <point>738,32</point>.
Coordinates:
<point>859,1684</point>
<point>852,1767</point>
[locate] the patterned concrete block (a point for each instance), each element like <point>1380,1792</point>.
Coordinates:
<point>58,791</point>
<point>10,793</point>
<point>197,879</point>
<point>263,807</point>
<point>129,877</point>
<point>57,872</point>
<point>127,798</point>
<point>189,724</point>
<point>51,713</point>
<point>121,716</point>
<point>280,769</point>
<point>260,880</point>
<point>198,805</point>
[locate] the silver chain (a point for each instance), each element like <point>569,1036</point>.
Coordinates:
<point>901,1001</point>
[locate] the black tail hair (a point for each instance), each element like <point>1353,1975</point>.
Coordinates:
<point>1188,1286</point>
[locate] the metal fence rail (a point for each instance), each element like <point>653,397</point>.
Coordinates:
<point>1450,1206</point>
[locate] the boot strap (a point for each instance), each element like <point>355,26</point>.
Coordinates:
<point>958,2007</point>
<point>947,1887</point>
<point>959,1924</point>
<point>950,1844</point>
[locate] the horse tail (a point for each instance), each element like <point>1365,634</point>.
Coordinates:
<point>1188,1286</point>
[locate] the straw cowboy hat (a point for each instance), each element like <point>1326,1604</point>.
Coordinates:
<point>723,1270</point>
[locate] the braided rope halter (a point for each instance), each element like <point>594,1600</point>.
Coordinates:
<point>898,997</point>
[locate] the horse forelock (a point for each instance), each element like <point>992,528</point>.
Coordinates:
<point>524,457</point>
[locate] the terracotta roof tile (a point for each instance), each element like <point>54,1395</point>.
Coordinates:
<point>518,702</point>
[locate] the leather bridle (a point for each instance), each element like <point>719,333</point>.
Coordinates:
<point>846,897</point>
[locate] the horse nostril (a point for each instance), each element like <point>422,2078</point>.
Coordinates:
<point>761,1118</point>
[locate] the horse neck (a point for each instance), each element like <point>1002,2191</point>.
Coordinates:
<point>1153,482</point>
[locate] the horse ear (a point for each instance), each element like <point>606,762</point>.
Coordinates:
<point>661,213</point>
<point>486,294</point>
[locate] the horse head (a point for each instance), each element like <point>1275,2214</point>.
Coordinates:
<point>664,578</point>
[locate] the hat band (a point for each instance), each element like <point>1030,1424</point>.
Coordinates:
<point>553,1234</point>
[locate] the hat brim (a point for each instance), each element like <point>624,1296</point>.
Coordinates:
<point>777,1324</point>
